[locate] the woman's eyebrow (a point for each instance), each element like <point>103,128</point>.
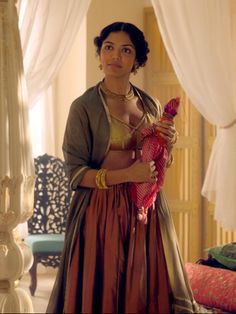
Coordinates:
<point>128,45</point>
<point>123,45</point>
<point>108,42</point>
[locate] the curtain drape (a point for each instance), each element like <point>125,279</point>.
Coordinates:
<point>48,30</point>
<point>42,124</point>
<point>198,36</point>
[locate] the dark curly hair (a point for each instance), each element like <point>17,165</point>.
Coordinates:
<point>136,36</point>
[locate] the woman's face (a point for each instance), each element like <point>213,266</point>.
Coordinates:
<point>117,55</point>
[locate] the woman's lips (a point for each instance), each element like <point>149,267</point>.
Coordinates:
<point>114,65</point>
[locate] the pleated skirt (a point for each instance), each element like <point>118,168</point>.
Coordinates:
<point>118,263</point>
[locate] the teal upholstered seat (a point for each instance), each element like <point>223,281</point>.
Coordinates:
<point>46,242</point>
<point>48,223</point>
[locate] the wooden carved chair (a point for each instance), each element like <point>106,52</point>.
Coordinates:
<point>52,197</point>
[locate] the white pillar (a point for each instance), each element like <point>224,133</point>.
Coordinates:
<point>16,165</point>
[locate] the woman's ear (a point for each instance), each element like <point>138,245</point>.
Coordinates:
<point>135,67</point>
<point>100,63</point>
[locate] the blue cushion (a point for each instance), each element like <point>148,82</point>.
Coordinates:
<point>45,242</point>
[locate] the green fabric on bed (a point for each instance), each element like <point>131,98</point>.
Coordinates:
<point>226,255</point>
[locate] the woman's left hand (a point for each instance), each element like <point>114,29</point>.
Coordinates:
<point>168,132</point>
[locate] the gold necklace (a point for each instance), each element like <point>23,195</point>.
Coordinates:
<point>123,97</point>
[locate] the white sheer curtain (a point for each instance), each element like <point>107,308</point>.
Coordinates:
<point>48,29</point>
<point>42,126</point>
<point>199,41</point>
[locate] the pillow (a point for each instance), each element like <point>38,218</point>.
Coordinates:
<point>226,255</point>
<point>213,287</point>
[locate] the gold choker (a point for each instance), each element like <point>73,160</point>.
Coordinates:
<point>123,97</point>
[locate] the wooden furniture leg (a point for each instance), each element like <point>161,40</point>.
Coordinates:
<point>33,275</point>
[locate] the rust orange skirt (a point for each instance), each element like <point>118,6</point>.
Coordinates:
<point>118,265</point>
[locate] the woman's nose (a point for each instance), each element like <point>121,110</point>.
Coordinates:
<point>116,54</point>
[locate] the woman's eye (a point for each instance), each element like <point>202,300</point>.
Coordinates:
<point>127,50</point>
<point>108,47</point>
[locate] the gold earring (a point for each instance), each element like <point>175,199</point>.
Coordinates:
<point>134,69</point>
<point>100,66</point>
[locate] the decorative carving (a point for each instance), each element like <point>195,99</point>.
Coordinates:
<point>51,200</point>
<point>10,254</point>
<point>16,164</point>
<point>28,196</point>
<point>7,218</point>
<point>4,285</point>
<point>10,189</point>
<point>3,250</point>
<point>14,300</point>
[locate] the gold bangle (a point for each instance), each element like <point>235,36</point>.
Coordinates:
<point>101,179</point>
<point>97,178</point>
<point>175,138</point>
<point>170,161</point>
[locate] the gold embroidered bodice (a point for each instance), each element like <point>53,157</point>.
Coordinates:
<point>125,136</point>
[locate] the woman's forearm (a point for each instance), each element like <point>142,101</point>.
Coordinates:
<point>137,172</point>
<point>112,177</point>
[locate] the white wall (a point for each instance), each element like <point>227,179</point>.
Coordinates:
<point>80,69</point>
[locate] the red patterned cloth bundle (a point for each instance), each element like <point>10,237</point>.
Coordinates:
<point>154,147</point>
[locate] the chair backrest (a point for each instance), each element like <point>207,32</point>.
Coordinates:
<point>52,196</point>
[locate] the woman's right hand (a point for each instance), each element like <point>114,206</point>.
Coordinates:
<point>141,171</point>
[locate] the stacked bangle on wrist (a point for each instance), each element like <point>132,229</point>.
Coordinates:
<point>175,138</point>
<point>101,179</point>
<point>170,161</point>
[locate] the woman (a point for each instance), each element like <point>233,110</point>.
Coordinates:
<point>113,263</point>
